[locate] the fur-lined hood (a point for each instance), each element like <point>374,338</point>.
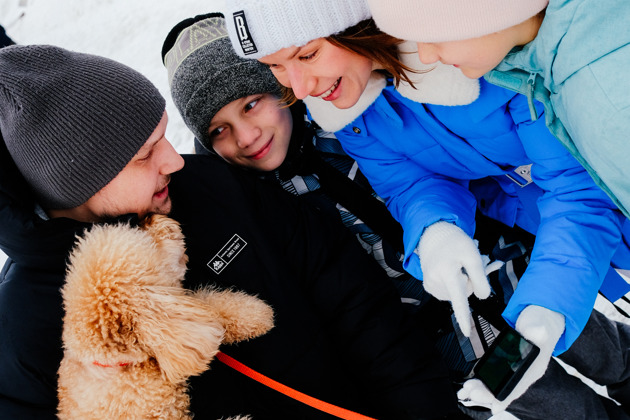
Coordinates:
<point>437,84</point>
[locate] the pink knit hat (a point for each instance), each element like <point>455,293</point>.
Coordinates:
<point>450,20</point>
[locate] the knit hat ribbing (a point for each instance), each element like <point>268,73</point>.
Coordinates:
<point>205,74</point>
<point>258,28</point>
<point>450,20</point>
<point>72,121</point>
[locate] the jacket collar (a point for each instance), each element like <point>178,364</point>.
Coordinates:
<point>25,236</point>
<point>331,118</point>
<point>437,84</point>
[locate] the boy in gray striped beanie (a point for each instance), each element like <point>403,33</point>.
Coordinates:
<point>205,74</point>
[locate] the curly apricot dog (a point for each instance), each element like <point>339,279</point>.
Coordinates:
<point>132,334</point>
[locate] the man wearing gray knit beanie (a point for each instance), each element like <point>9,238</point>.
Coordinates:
<point>72,122</point>
<point>82,143</point>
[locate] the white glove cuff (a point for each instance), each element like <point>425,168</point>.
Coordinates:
<point>541,326</point>
<point>441,234</point>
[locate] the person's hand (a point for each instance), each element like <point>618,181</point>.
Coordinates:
<point>452,269</point>
<point>542,327</point>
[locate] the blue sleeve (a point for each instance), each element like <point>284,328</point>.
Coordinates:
<point>414,196</point>
<point>579,232</point>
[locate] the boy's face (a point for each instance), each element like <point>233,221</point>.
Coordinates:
<point>321,69</point>
<point>142,186</point>
<point>253,132</point>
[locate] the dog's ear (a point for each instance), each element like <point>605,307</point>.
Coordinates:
<point>169,241</point>
<point>182,332</point>
<point>102,281</point>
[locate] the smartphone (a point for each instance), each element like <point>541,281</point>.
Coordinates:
<point>505,362</point>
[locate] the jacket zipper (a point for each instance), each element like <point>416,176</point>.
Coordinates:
<point>531,85</point>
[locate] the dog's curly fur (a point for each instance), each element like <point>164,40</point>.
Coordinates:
<point>132,334</point>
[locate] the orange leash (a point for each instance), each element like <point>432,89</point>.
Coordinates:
<point>290,392</point>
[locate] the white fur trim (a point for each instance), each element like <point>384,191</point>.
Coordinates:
<point>331,118</point>
<point>440,84</point>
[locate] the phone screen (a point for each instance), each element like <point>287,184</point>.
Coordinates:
<point>503,365</point>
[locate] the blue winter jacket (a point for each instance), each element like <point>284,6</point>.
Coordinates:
<point>422,159</point>
<point>577,66</point>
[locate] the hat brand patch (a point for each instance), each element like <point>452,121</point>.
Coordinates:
<point>227,254</point>
<point>242,32</point>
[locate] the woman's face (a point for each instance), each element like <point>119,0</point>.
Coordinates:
<point>253,132</point>
<point>323,70</point>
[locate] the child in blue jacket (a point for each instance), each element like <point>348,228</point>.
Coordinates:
<point>568,54</point>
<point>435,163</point>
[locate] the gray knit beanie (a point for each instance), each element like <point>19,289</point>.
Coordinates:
<point>205,74</point>
<point>72,121</point>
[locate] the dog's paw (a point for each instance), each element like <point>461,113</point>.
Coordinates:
<point>254,319</point>
<point>243,316</point>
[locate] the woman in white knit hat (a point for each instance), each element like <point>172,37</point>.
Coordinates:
<point>435,164</point>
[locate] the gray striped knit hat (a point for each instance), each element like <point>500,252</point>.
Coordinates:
<point>72,121</point>
<point>205,74</point>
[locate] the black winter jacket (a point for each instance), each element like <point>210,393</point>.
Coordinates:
<point>30,302</point>
<point>341,333</point>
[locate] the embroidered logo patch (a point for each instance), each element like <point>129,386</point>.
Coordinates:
<point>242,32</point>
<point>227,254</point>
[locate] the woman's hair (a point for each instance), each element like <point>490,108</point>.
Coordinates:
<point>367,40</point>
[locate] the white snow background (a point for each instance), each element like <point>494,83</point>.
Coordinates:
<point>129,31</point>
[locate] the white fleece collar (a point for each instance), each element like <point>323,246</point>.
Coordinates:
<point>440,84</point>
<point>331,118</point>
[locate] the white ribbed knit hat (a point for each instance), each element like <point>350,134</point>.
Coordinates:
<point>450,20</point>
<point>261,27</point>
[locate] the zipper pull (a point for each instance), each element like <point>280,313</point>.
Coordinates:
<point>531,85</point>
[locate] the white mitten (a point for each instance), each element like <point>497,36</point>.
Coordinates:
<point>452,269</point>
<point>542,327</point>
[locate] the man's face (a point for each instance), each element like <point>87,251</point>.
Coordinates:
<point>142,186</point>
